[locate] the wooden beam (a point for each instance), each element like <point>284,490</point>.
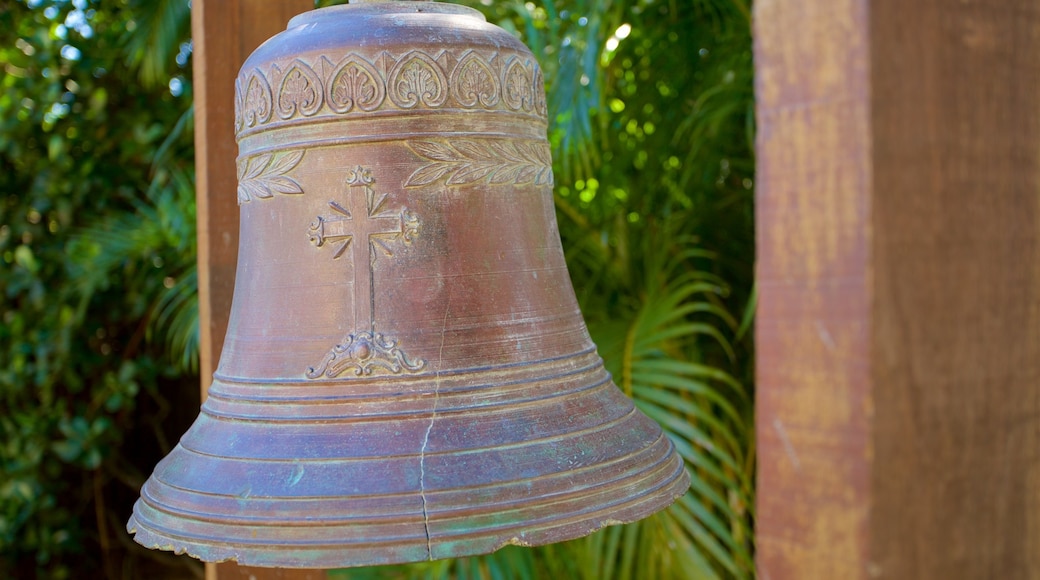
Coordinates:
<point>899,268</point>
<point>812,333</point>
<point>224,33</point>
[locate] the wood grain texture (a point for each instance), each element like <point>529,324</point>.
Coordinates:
<point>813,211</point>
<point>956,355</point>
<point>899,270</point>
<point>224,33</point>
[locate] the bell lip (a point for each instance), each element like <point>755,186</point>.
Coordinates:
<point>666,494</point>
<point>379,7</point>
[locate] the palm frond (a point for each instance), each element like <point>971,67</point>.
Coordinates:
<point>155,38</point>
<point>156,233</point>
<point>703,410</point>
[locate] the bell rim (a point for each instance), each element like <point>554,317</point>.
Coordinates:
<point>393,551</point>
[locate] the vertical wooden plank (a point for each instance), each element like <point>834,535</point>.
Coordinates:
<point>899,267</point>
<point>956,342</point>
<point>224,33</point>
<point>813,322</point>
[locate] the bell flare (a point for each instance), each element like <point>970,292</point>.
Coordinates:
<point>454,468</point>
<point>406,373</point>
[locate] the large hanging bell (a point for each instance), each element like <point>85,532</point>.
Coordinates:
<point>406,374</point>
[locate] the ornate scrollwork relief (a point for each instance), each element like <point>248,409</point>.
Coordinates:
<point>253,100</point>
<point>414,80</point>
<point>355,83</point>
<point>518,85</point>
<point>365,352</point>
<point>474,82</point>
<point>540,106</point>
<point>300,91</point>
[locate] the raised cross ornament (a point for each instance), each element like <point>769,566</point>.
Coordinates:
<point>367,228</point>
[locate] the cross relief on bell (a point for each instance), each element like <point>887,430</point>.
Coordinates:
<point>367,227</point>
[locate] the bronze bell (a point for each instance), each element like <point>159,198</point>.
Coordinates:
<point>406,374</point>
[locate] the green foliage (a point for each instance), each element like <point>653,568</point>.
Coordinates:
<point>95,237</point>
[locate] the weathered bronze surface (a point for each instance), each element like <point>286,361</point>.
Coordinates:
<point>406,374</point>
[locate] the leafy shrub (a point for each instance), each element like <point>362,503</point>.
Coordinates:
<point>96,223</point>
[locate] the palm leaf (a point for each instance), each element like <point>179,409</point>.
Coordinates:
<point>155,39</point>
<point>156,236</point>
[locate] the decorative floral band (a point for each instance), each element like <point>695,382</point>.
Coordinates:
<point>413,81</point>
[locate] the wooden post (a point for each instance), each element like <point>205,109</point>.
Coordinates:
<point>899,269</point>
<point>225,32</point>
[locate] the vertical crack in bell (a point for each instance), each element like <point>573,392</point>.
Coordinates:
<point>422,471</point>
<point>429,428</point>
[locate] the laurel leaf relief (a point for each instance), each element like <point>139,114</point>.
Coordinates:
<point>262,176</point>
<point>497,162</point>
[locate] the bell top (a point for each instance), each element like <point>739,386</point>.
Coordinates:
<point>387,59</point>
